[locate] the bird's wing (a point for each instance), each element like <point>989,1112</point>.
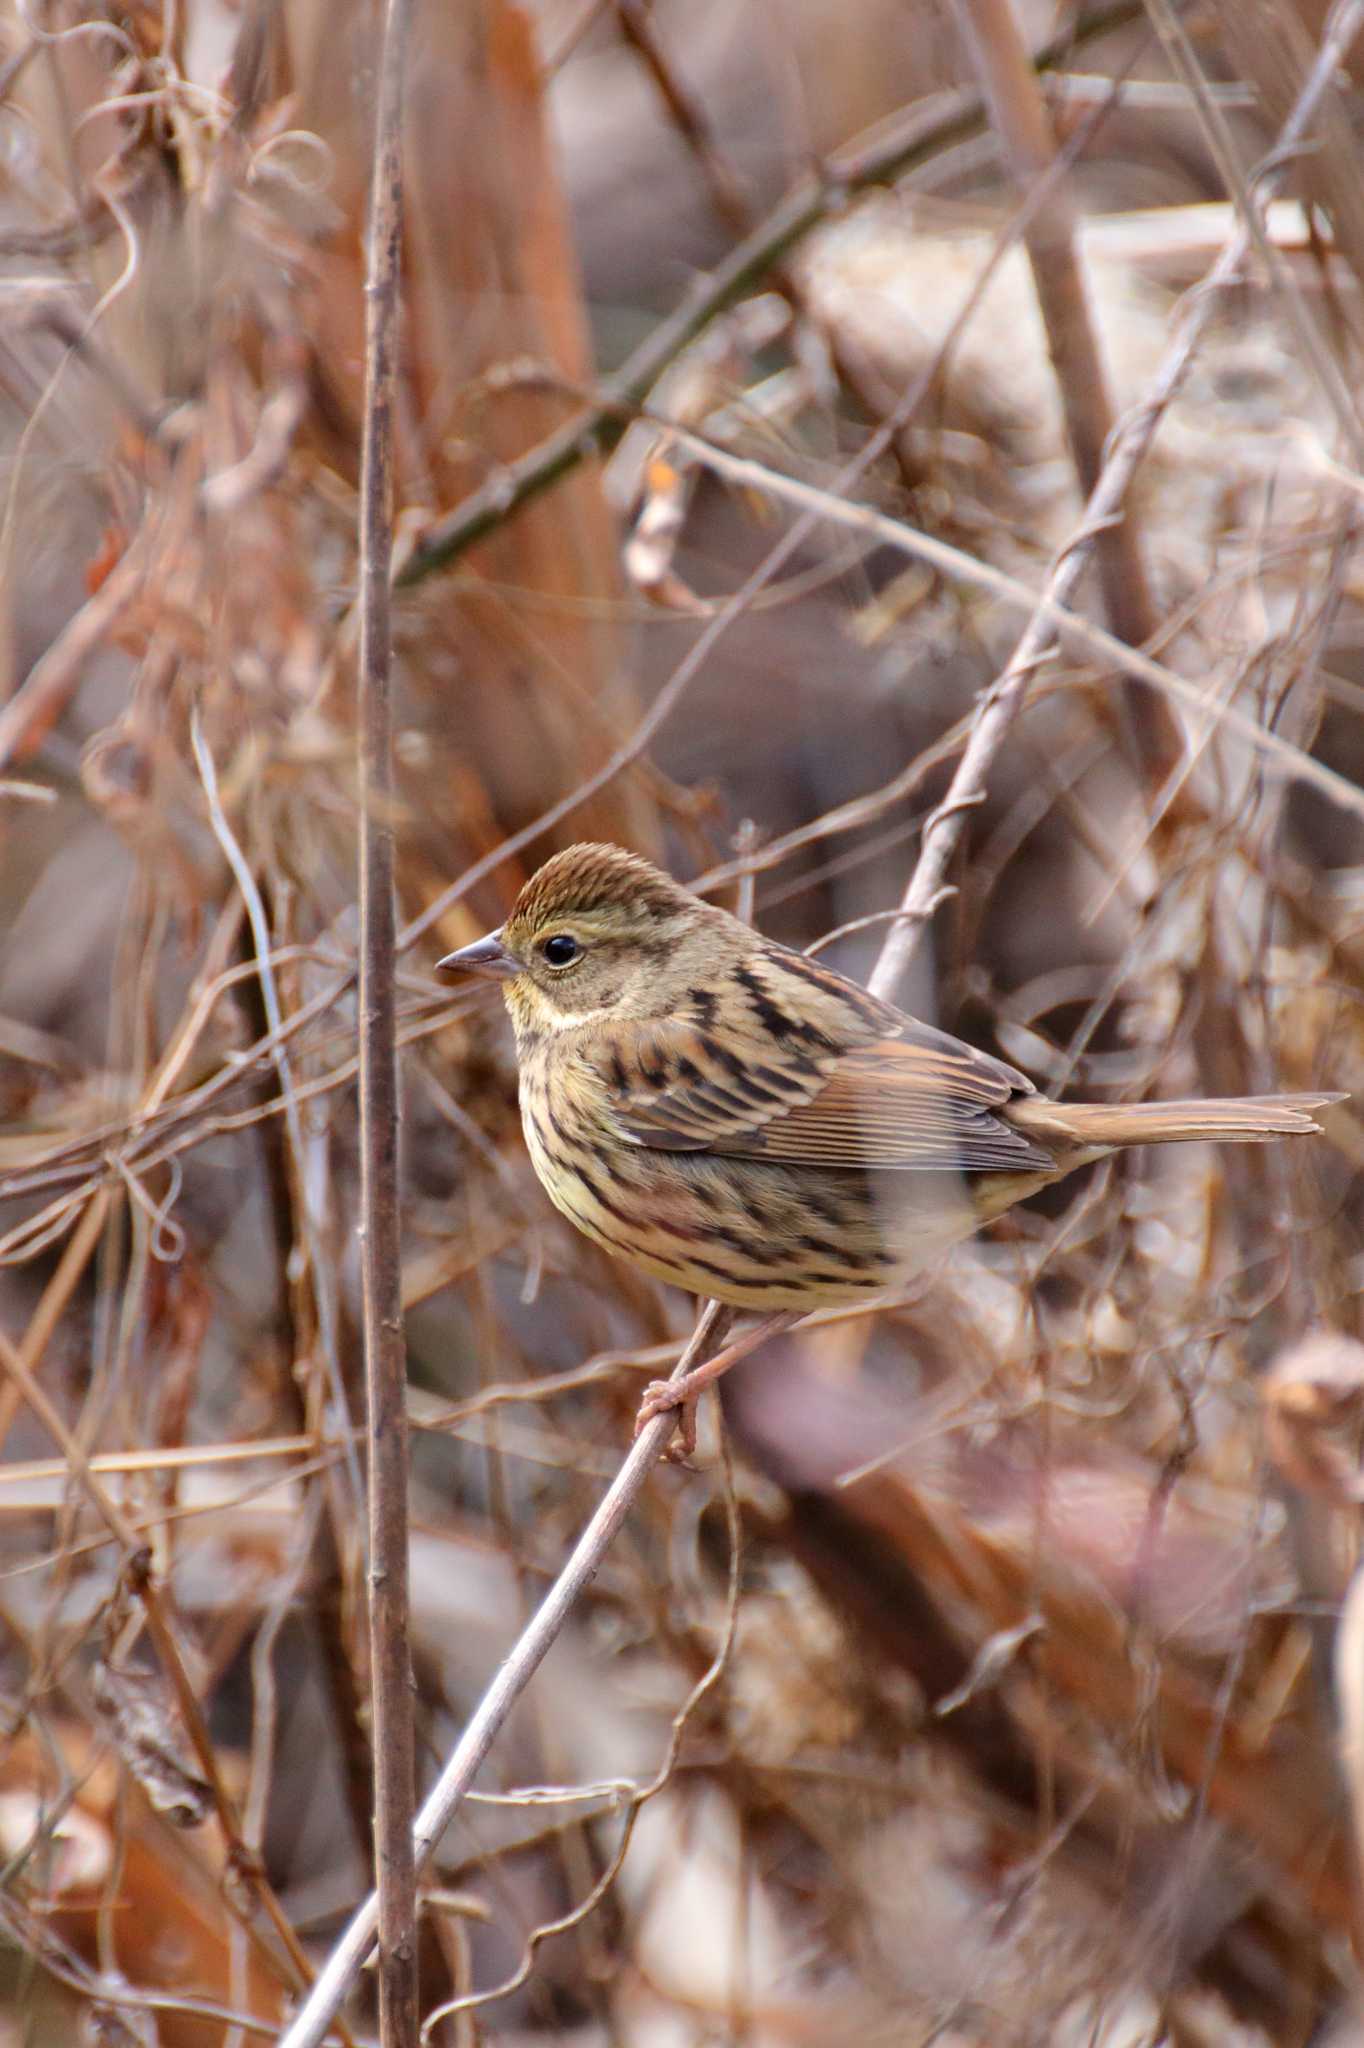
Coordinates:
<point>899,1105</point>
<point>792,1078</point>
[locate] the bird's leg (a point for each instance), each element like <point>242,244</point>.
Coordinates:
<point>684,1391</point>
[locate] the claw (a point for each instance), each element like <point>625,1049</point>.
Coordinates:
<point>684,1391</point>
<point>661,1396</point>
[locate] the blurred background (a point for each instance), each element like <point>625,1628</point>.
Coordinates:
<point>993,1678</point>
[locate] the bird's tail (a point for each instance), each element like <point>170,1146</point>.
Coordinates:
<point>1244,1120</point>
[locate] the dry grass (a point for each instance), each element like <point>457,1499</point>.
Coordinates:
<point>989,1693</point>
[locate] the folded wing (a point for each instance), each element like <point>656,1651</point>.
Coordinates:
<point>790,1092</point>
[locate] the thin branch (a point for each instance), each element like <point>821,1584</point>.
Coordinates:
<point>1009,82</point>
<point>519,1667</point>
<point>1068,626</point>
<point>53,1302</point>
<point>1002,700</point>
<point>323,1282</point>
<point>292,1967</point>
<point>739,604</point>
<point>598,427</point>
<point>515,486</point>
<point>40,699</point>
<point>1296,309</point>
<point>637,1796</point>
<point>394,1744</point>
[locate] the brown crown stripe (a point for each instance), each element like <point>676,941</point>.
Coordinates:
<point>583,878</point>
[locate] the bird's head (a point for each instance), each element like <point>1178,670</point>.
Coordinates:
<point>600,933</point>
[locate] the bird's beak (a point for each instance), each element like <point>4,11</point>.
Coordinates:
<point>488,957</point>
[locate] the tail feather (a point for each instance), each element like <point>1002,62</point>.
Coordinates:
<point>1243,1120</point>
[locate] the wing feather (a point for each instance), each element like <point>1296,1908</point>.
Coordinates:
<point>806,1073</point>
<point>894,1107</point>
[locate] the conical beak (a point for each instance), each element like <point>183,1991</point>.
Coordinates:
<point>488,957</point>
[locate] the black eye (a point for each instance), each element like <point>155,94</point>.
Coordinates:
<point>560,949</point>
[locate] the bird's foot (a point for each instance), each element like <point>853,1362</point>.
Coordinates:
<point>662,1395</point>
<point>685,1389</point>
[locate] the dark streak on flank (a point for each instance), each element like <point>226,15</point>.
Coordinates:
<point>731,1280</point>
<point>690,1233</point>
<point>611,1208</point>
<point>592,1227</point>
<point>822,1247</point>
<point>541,1133</point>
<point>569,1143</point>
<point>747,1247</point>
<point>856,1262</point>
<point>825,1207</point>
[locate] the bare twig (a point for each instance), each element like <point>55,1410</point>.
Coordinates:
<point>740,602</point>
<point>469,522</point>
<point>1009,81</point>
<point>46,689</point>
<point>144,1584</point>
<point>1068,626</point>
<point>394,1747</point>
<point>347,1958</point>
<point>638,1796</point>
<point>640,29</point>
<point>1009,1427</point>
<point>1297,310</point>
<point>324,1287</point>
<point>1002,700</point>
<point>54,1300</point>
<point>599,426</point>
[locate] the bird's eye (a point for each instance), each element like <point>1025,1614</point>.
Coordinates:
<point>559,949</point>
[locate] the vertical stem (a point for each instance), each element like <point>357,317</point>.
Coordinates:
<point>385,1354</point>
<point>1010,87</point>
<point>522,1661</point>
<point>1127,451</point>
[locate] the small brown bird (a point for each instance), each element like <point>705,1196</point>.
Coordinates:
<point>747,1124</point>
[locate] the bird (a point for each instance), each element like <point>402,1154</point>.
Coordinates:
<point>741,1121</point>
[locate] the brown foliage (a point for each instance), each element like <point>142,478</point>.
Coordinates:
<point>1019,1720</point>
